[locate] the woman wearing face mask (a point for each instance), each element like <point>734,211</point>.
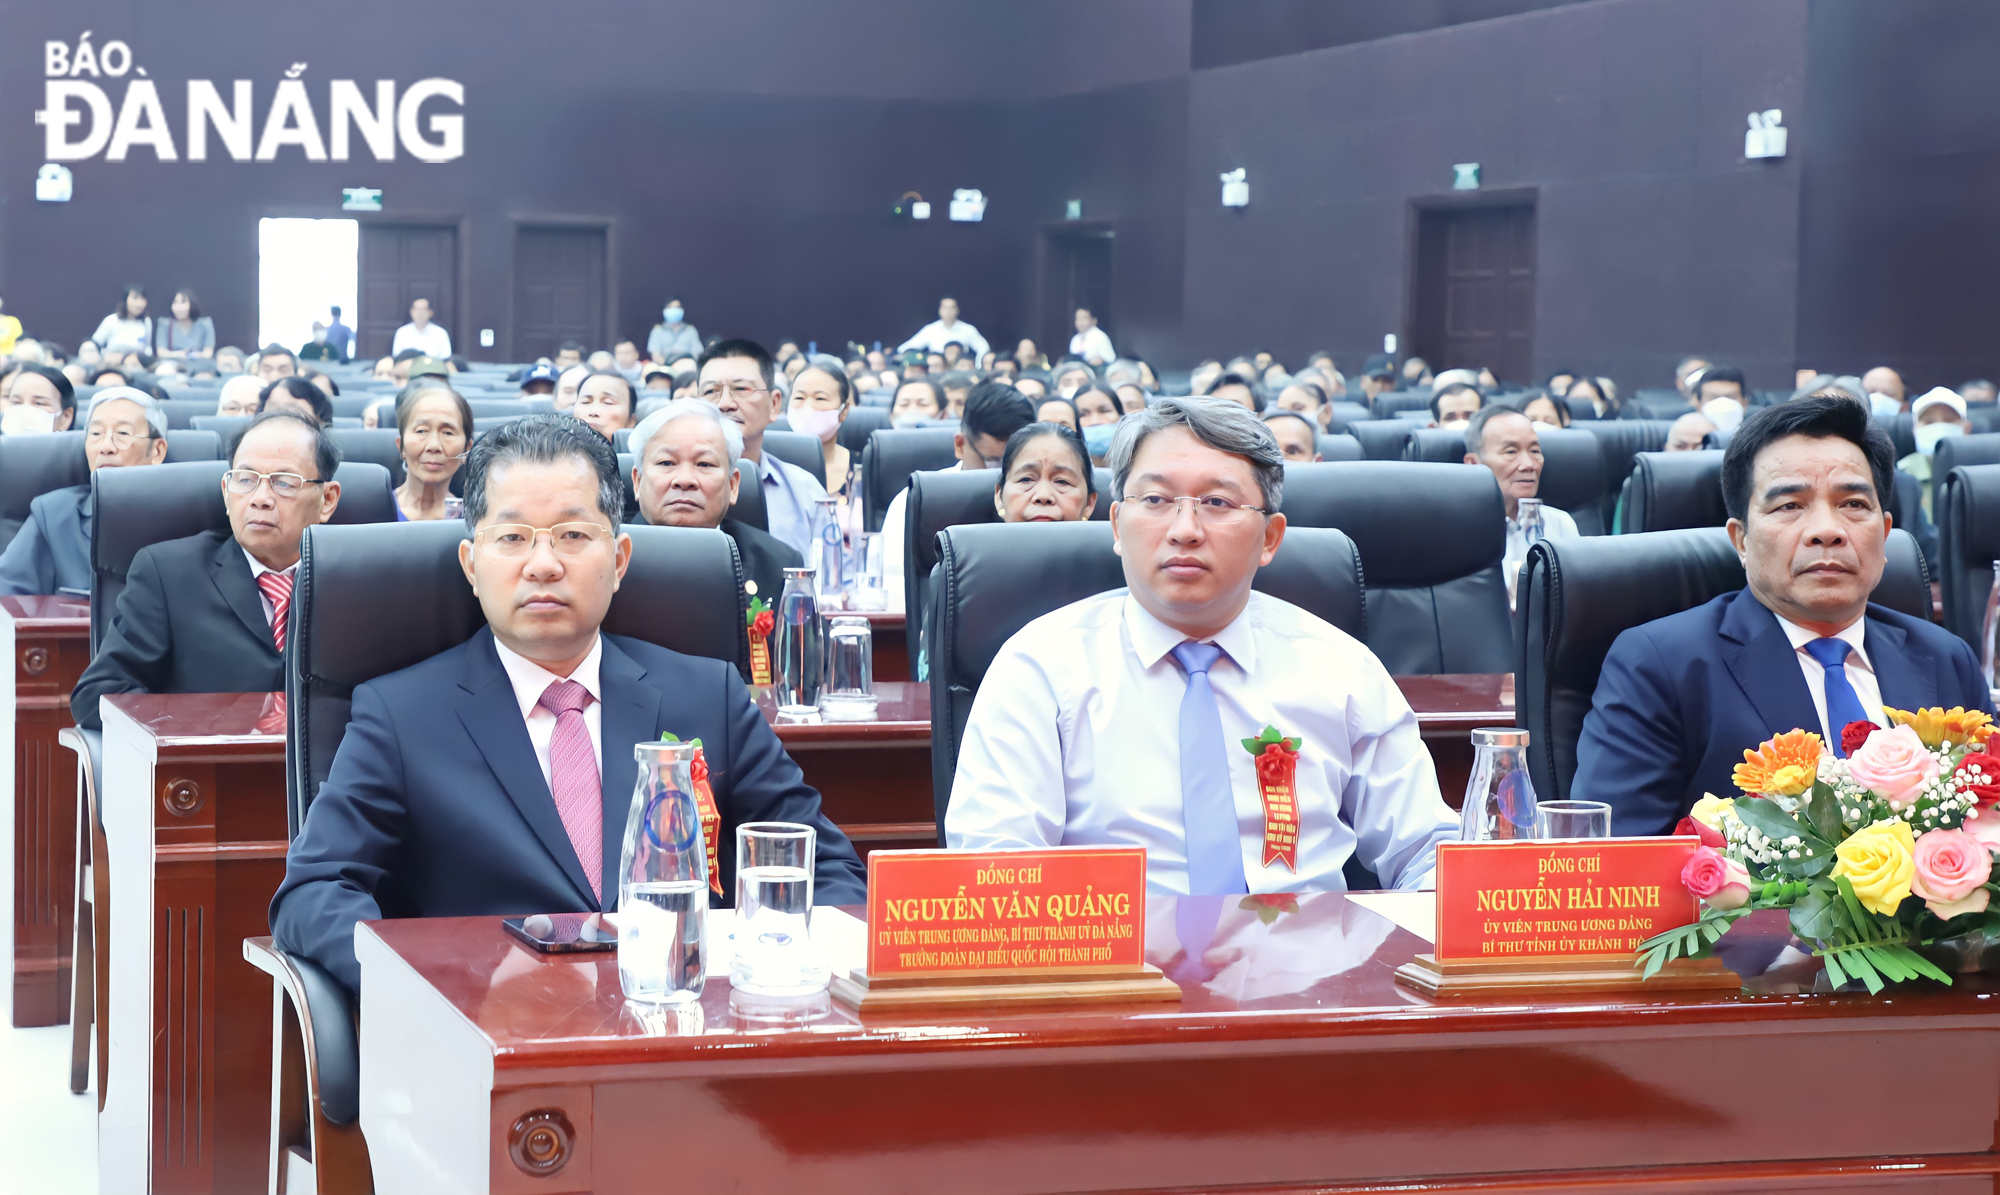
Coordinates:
<point>433,428</point>
<point>39,400</point>
<point>126,330</point>
<point>673,337</point>
<point>1546,412</point>
<point>917,402</point>
<point>821,401</point>
<point>1045,477</point>
<point>1939,415</point>
<point>187,333</point>
<point>1098,411</point>
<point>1056,409</point>
<point>1601,395</point>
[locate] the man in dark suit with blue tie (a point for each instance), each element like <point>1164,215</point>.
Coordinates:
<point>1681,698</point>
<point>495,777</point>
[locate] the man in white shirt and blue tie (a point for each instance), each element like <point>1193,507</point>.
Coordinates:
<point>1119,719</point>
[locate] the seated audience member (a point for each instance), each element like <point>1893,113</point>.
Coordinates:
<point>318,349</point>
<point>1980,393</point>
<point>735,377</point>
<point>1685,370</point>
<point>1098,410</point>
<point>494,777</point>
<point>326,384</point>
<point>433,428</point>
<point>569,355</point>
<point>51,553</point>
<point>223,631</point>
<point>1939,414</point>
<point>822,399</point>
<point>1416,373</point>
<point>1885,390</point>
<point>1503,440</point>
<point>1378,376</point>
<point>537,381</point>
<point>1543,411</point>
<point>1689,433</point>
<point>993,413</point>
<point>956,385</point>
<point>1560,381</point>
<point>1072,376</point>
<point>1454,405</point>
<point>567,384</point>
<point>276,361</point>
<point>1056,409</point>
<point>1033,386</point>
<point>1720,393</point>
<point>1131,396</point>
<point>297,396</point>
<point>687,476</point>
<point>1601,398</point>
<point>625,359</point>
<point>1004,369</point>
<point>1682,698</point>
<point>673,337</point>
<point>1028,355</point>
<point>601,362</point>
<point>1074,738</point>
<point>186,333</point>
<point>1306,397</point>
<point>39,400</point>
<point>1296,433</point>
<point>121,376</point>
<point>1045,477</point>
<point>1204,376</point>
<point>239,396</point>
<point>657,378</point>
<point>917,402</point>
<point>947,327</point>
<point>1234,387</point>
<point>385,369</point>
<point>604,400</point>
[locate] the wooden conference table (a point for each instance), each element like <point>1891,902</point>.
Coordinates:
<point>1293,1064</point>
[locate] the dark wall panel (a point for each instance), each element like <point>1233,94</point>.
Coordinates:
<point>1232,31</point>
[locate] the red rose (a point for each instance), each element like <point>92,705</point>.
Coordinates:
<point>762,624</point>
<point>1854,734</point>
<point>1708,834</point>
<point>1275,764</point>
<point>698,770</point>
<point>1985,786</point>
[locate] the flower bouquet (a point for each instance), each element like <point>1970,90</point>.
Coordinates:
<point>1874,855</point>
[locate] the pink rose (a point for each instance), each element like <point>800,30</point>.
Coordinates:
<point>1983,823</point>
<point>1895,764</point>
<point>1952,866</point>
<point>1717,880</point>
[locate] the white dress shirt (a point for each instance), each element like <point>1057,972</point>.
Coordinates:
<point>1074,738</point>
<point>531,680</point>
<point>1092,343</point>
<point>1556,524</point>
<point>431,340</point>
<point>792,509</point>
<point>1860,673</point>
<point>894,532</point>
<point>257,570</point>
<point>935,335</point>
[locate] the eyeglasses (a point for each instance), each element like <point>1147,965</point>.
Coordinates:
<point>511,541</point>
<point>1212,510</point>
<point>740,391</point>
<point>284,485</point>
<point>121,436</point>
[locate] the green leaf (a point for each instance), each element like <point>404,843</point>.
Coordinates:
<point>1857,963</point>
<point>1823,812</point>
<point>668,736</point>
<point>1253,746</point>
<point>1812,913</point>
<point>1926,967</point>
<point>1834,975</point>
<point>1774,823</point>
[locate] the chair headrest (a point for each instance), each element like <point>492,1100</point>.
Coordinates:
<point>959,498</point>
<point>190,444</point>
<point>1438,445</point>
<point>1381,439</point>
<point>1675,490</point>
<point>137,508</point>
<point>1982,449</point>
<point>1340,413</point>
<point>31,466</point>
<point>1572,469</point>
<point>376,445</point>
<point>889,459</point>
<point>1974,517</point>
<point>1340,447</point>
<point>797,448</point>
<point>861,423</point>
<point>1415,523</point>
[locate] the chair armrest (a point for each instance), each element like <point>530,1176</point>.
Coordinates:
<point>89,747</point>
<point>332,1048</point>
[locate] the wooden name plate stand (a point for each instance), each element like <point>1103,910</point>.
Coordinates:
<point>193,797</point>
<point>45,643</point>
<point>1293,1064</point>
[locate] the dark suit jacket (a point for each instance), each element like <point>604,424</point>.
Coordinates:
<point>191,620</point>
<point>436,806</point>
<point>1681,699</point>
<point>765,558</point>
<point>52,551</point>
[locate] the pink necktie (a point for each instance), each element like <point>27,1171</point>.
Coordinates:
<point>278,588</point>
<point>573,778</point>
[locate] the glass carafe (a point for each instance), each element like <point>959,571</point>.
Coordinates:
<point>800,657</point>
<point>1499,797</point>
<point>662,880</point>
<point>1992,628</point>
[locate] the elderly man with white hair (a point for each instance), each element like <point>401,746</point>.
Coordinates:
<point>239,395</point>
<point>52,552</point>
<point>685,475</point>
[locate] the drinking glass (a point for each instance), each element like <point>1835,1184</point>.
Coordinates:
<point>870,583</point>
<point>1570,820</point>
<point>1499,797</point>
<point>849,695</point>
<point>1530,518</point>
<point>774,882</point>
<point>830,554</point>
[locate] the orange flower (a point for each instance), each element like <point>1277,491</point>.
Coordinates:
<point>1786,765</point>
<point>1935,726</point>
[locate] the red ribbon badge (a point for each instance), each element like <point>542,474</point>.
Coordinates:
<point>711,817</point>
<point>1277,781</point>
<point>761,622</point>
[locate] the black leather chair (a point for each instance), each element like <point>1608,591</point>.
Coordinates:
<point>137,508</point>
<point>994,579</point>
<point>953,499</point>
<point>1381,439</point>
<point>375,445</point>
<point>495,407</point>
<point>225,426</point>
<point>1618,440</point>
<point>181,410</point>
<point>1968,521</point>
<point>1391,403</point>
<point>31,466</point>
<point>1903,430</point>
<point>1670,491</point>
<point>1577,596</point>
<point>890,458</point>
<point>1338,447</point>
<point>353,405</point>
<point>1981,449</point>
<point>861,424</point>
<point>797,448</point>
<point>346,576</point>
<point>1573,478</point>
<point>1431,539</point>
<point>1341,414</point>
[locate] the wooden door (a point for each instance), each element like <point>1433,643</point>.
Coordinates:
<point>558,290</point>
<point>1476,289</point>
<point>401,263</point>
<point>1077,273</point>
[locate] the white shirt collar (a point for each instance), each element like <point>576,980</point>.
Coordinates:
<point>258,568</point>
<point>531,680</point>
<point>1852,635</point>
<point>1153,639</point>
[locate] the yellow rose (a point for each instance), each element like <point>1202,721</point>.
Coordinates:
<point>1879,862</point>
<point>1711,810</point>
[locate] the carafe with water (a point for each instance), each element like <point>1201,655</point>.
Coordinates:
<point>798,647</point>
<point>1990,657</point>
<point>662,880</point>
<point>1499,797</point>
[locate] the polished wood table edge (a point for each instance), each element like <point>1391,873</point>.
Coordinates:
<point>836,736</point>
<point>57,613</point>
<point>1837,1174</point>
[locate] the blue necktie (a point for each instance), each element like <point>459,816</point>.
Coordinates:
<point>1208,808</point>
<point>1842,704</point>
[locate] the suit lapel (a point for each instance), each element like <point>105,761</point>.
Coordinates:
<point>1904,671</point>
<point>230,570</point>
<point>631,715</point>
<point>1765,665</point>
<point>490,714</point>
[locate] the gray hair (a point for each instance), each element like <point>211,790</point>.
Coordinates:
<point>1224,426</point>
<point>1124,369</point>
<point>156,415</point>
<point>1453,377</point>
<point>543,439</point>
<point>1475,431</point>
<point>687,408</point>
<point>241,381</point>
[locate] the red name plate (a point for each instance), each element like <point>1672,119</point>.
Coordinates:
<point>1553,900</point>
<point>1075,908</point>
